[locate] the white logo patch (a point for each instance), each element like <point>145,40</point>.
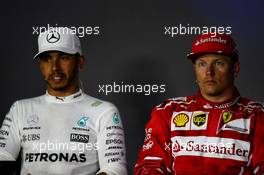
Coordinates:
<point>213,147</point>
<point>238,125</point>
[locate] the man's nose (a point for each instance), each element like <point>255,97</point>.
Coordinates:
<point>55,63</point>
<point>210,70</point>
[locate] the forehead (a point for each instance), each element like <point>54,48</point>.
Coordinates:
<point>213,57</point>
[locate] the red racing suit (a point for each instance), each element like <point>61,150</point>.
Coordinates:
<point>190,135</point>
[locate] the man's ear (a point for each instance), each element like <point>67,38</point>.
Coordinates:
<point>81,62</point>
<point>236,69</point>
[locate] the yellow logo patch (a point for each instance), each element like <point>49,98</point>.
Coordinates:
<point>180,120</point>
<point>227,115</point>
<point>199,119</point>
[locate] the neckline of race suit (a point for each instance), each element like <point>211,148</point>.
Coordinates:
<point>67,99</point>
<point>217,105</point>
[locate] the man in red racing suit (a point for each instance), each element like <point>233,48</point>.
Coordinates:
<point>215,131</point>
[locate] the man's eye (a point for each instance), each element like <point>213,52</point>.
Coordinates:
<point>201,64</point>
<point>219,63</point>
<point>45,58</point>
<point>64,57</point>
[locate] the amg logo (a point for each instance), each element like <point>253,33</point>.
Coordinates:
<point>29,128</point>
<point>79,138</point>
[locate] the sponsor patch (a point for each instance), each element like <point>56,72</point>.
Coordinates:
<point>7,125</point>
<point>148,132</point>
<point>30,137</point>
<point>185,120</point>
<point>4,132</point>
<point>180,120</point>
<point>32,120</point>
<point>114,127</point>
<point>114,147</point>
<point>79,138</point>
<point>29,128</point>
<point>114,141</point>
<point>54,157</point>
<point>213,147</point>
<point>148,145</point>
<point>112,154</point>
<point>199,120</point>
<point>227,116</point>
<point>96,103</point>
<point>113,160</point>
<point>114,134</point>
<point>239,125</point>
<point>204,40</point>
<point>2,145</point>
<point>116,118</point>
<point>8,119</point>
<point>81,129</point>
<point>83,121</point>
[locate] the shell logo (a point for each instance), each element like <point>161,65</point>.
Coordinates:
<point>181,119</point>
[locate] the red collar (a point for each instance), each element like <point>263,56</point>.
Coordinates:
<point>214,105</point>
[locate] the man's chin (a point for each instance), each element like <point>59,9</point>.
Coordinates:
<point>213,93</point>
<point>210,91</point>
<point>58,87</point>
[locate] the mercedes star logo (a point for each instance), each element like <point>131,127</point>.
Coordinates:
<point>32,119</point>
<point>53,37</point>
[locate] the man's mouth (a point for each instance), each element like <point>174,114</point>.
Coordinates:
<point>57,77</point>
<point>210,81</point>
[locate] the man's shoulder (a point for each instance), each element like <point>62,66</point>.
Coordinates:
<point>37,99</point>
<point>97,104</point>
<point>251,104</point>
<point>175,101</point>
